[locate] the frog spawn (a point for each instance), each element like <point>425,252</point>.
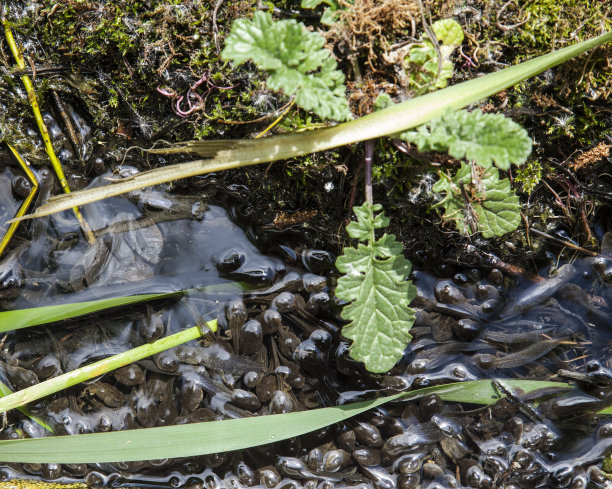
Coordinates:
<point>274,354</point>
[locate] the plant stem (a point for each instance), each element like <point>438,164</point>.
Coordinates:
<point>369,156</point>
<point>227,154</point>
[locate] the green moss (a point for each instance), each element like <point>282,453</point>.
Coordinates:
<point>552,23</point>
<point>529,175</point>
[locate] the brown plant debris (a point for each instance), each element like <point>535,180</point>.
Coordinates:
<point>369,24</point>
<point>591,156</point>
<point>283,220</point>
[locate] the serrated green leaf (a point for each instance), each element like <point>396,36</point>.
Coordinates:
<point>488,204</point>
<point>316,3</point>
<point>296,60</point>
<point>448,32</point>
<point>374,281</point>
<point>483,138</point>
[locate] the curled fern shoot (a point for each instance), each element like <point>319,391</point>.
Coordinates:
<point>374,282</point>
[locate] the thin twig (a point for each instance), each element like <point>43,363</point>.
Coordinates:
<point>72,135</point>
<point>569,244</point>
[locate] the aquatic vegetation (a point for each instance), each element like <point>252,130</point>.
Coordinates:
<point>228,435</point>
<point>459,314</point>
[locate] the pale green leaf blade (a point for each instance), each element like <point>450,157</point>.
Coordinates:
<point>483,138</point>
<point>24,318</point>
<point>228,435</point>
<point>296,60</point>
<point>374,281</point>
<point>56,384</point>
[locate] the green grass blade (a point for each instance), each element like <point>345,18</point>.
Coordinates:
<point>56,384</point>
<point>401,117</point>
<point>24,318</point>
<point>220,436</point>
<point>5,391</point>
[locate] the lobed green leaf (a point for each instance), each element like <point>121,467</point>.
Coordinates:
<point>296,60</point>
<point>374,281</point>
<point>483,138</point>
<point>488,205</point>
<point>448,32</point>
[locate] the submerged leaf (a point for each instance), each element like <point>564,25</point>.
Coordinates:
<point>484,203</point>
<point>374,281</point>
<point>484,138</point>
<point>296,60</point>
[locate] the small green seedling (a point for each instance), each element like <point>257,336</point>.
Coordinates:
<point>426,74</point>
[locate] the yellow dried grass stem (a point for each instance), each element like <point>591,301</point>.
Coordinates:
<point>55,163</point>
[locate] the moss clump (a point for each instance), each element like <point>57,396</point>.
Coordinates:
<point>529,175</point>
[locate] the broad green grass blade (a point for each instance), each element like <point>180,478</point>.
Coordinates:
<point>5,391</point>
<point>56,384</point>
<point>220,436</point>
<point>24,318</point>
<point>401,117</point>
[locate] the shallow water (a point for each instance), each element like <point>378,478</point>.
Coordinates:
<point>278,349</point>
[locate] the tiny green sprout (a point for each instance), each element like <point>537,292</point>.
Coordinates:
<point>426,74</point>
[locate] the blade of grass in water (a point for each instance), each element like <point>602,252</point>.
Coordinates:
<point>24,318</point>
<point>220,436</point>
<point>56,384</point>
<point>5,391</point>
